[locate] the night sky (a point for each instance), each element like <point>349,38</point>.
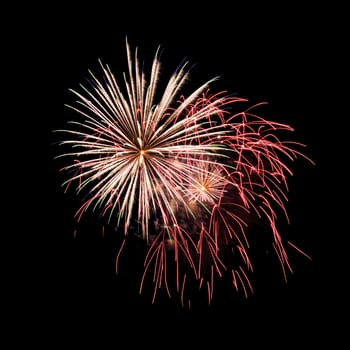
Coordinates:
<point>261,54</point>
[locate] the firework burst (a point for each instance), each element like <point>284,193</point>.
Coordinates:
<point>187,170</point>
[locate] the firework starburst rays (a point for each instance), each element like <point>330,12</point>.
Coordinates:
<point>130,142</point>
<point>187,171</point>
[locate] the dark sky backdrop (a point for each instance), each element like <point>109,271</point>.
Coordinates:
<point>263,54</point>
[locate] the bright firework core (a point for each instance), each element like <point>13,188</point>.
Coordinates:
<point>188,172</point>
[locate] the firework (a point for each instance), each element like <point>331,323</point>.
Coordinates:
<point>189,172</point>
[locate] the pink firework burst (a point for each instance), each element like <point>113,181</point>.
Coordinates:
<point>188,171</point>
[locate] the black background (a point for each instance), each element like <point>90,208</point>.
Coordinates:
<point>274,54</point>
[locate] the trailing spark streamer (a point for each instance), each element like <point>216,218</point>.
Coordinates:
<point>187,170</point>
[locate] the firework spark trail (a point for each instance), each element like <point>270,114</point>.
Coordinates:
<point>188,170</point>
